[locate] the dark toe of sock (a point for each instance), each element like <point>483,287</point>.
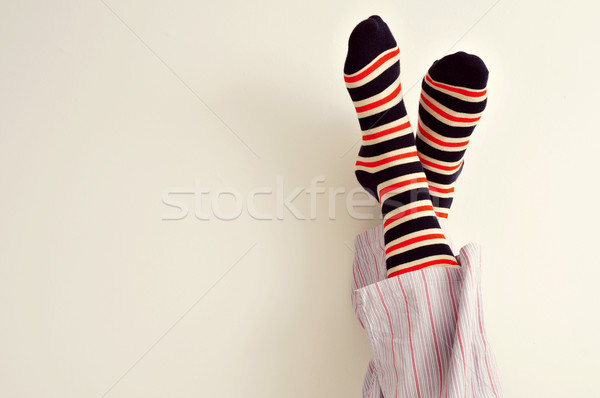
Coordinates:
<point>460,69</point>
<point>369,38</point>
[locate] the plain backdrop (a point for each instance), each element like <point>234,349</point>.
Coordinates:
<point>113,113</point>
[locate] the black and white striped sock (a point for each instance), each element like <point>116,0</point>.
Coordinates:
<point>388,166</point>
<point>453,98</point>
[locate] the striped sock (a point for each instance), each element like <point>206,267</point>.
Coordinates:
<point>453,98</point>
<point>388,166</point>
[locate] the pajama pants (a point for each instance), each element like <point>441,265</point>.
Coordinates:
<point>425,328</point>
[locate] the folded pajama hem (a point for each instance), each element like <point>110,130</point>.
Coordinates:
<point>425,328</point>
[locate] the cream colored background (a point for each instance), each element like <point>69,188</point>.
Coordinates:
<point>106,106</point>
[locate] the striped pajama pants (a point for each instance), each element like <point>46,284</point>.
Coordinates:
<point>425,328</point>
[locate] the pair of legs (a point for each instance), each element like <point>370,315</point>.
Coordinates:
<point>413,179</point>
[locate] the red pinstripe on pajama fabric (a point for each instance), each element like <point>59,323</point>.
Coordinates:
<point>435,342</point>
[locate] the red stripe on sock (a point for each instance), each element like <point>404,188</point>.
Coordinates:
<point>440,142</point>
<point>400,185</point>
<point>457,90</point>
<point>439,166</point>
<point>407,213</point>
<point>441,215</point>
<point>441,190</point>
<point>421,266</point>
<point>380,102</point>
<point>386,132</point>
<point>414,240</point>
<point>447,115</point>
<point>386,160</point>
<point>370,69</point>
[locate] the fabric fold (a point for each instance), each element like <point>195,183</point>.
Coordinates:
<point>425,328</point>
